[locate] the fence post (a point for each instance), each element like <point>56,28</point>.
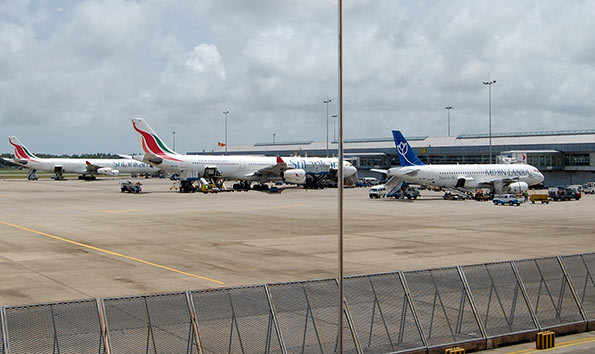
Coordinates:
<point>3,334</point>
<point>413,310</point>
<point>472,302</point>
<point>347,314</point>
<point>525,295</point>
<point>104,326</point>
<point>572,290</point>
<point>275,322</point>
<point>193,322</point>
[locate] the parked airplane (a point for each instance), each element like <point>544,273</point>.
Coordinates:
<point>299,170</point>
<point>499,178</point>
<point>87,168</point>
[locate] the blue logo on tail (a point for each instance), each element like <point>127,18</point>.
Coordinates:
<point>407,156</point>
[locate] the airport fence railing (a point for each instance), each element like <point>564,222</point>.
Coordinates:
<point>423,311</point>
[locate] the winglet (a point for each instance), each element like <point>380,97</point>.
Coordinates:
<point>88,163</point>
<point>280,159</point>
<point>407,156</point>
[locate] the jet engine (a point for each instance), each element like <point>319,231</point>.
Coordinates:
<point>296,175</point>
<point>518,187</point>
<point>108,171</point>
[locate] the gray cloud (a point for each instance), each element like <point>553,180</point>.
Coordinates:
<point>73,72</point>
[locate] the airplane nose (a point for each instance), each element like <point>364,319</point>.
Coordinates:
<point>349,171</point>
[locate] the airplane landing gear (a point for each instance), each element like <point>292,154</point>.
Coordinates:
<point>32,176</point>
<point>187,187</point>
<point>242,186</point>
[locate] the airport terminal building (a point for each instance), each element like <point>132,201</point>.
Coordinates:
<point>564,157</point>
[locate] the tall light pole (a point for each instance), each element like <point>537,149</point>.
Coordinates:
<point>489,83</point>
<point>226,113</point>
<point>448,108</point>
<point>340,180</point>
<point>174,134</point>
<point>274,134</point>
<point>327,101</point>
<point>334,116</point>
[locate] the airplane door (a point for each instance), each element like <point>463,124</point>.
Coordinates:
<point>243,164</point>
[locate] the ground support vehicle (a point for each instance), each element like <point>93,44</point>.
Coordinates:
<point>131,187</point>
<point>378,191</point>
<point>481,195</point>
<point>509,199</point>
<point>561,193</point>
<point>589,188</point>
<point>409,193</point>
<point>455,195</point>
<point>539,197</point>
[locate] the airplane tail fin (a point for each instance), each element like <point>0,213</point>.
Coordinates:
<point>150,142</point>
<point>20,151</point>
<point>407,156</point>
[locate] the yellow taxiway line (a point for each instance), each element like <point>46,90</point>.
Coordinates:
<point>109,252</point>
<point>558,345</point>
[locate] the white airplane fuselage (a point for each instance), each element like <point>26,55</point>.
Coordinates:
<point>242,167</point>
<point>79,166</point>
<point>467,176</point>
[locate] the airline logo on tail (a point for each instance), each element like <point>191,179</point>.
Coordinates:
<point>151,143</point>
<point>407,156</point>
<point>20,151</point>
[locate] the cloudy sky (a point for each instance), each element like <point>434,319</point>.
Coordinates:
<point>72,73</point>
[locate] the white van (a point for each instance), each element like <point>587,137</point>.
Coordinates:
<point>378,191</point>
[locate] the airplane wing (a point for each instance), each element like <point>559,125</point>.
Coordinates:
<point>148,158</point>
<point>504,181</point>
<point>377,170</point>
<point>91,168</point>
<point>402,171</point>
<point>273,171</point>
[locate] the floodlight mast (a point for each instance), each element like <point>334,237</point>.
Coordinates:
<point>448,108</point>
<point>490,83</point>
<point>340,180</point>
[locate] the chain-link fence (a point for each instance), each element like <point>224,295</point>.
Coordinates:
<point>499,299</point>
<point>549,292</point>
<point>442,306</point>
<point>308,319</point>
<point>64,327</point>
<point>384,313</point>
<point>150,324</point>
<point>236,320</point>
<point>581,269</point>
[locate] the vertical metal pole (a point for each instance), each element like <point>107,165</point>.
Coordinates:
<point>525,294</point>
<point>490,119</point>
<point>420,329</point>
<point>56,343</point>
<point>3,331</point>
<point>448,122</point>
<point>340,185</point>
<point>327,101</point>
<point>572,289</point>
<point>275,321</point>
<point>193,321</point>
<point>469,294</point>
<point>490,83</point>
<point>103,326</point>
<point>226,112</point>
